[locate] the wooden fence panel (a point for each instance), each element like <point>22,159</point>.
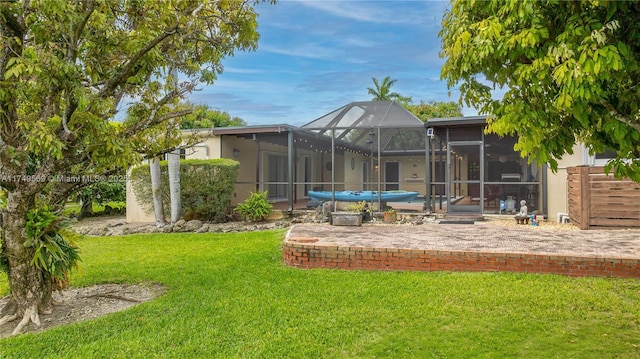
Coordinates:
<point>598,200</point>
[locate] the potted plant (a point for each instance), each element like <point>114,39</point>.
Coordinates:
<point>361,207</point>
<point>390,215</point>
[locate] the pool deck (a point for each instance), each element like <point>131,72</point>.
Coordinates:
<point>483,246</point>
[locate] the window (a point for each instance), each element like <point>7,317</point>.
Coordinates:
<point>600,158</point>
<point>606,155</point>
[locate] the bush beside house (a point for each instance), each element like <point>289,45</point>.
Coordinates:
<point>206,187</point>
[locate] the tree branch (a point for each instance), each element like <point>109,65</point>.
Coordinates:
<point>148,156</point>
<point>618,116</point>
<point>152,119</point>
<point>13,30</point>
<point>130,67</point>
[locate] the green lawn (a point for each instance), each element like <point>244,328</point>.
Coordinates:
<point>230,296</point>
<point>74,207</point>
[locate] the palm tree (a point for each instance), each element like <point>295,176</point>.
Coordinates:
<point>156,191</point>
<point>173,167</point>
<point>382,91</point>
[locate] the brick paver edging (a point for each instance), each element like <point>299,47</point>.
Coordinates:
<point>304,253</point>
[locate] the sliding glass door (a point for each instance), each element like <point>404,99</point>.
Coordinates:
<point>464,178</point>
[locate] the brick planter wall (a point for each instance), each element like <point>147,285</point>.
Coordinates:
<point>303,253</point>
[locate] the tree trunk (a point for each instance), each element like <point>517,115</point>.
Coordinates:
<point>174,185</point>
<point>30,291</point>
<point>86,208</point>
<point>156,190</point>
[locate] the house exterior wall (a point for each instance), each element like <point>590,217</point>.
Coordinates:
<point>209,148</point>
<point>412,172</point>
<point>246,153</point>
<point>411,176</point>
<point>134,213</point>
<point>339,168</point>
<point>557,183</point>
<point>353,176</point>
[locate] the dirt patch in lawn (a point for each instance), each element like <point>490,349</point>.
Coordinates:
<point>79,304</point>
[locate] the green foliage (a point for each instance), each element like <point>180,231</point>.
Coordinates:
<point>59,96</point>
<point>54,255</point>
<point>256,207</point>
<point>204,117</point>
<point>358,207</point>
<point>361,207</point>
<point>382,91</point>
<point>206,187</point>
<point>103,192</point>
<point>434,109</point>
<point>424,110</point>
<point>569,70</point>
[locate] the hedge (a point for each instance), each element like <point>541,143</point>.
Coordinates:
<point>206,187</point>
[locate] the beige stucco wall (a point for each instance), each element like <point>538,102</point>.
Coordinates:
<point>353,176</point>
<point>557,183</point>
<point>412,172</point>
<point>245,152</point>
<point>135,214</point>
<point>209,148</point>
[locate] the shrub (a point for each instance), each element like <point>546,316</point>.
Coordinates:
<point>256,207</point>
<point>100,193</point>
<point>206,187</point>
<point>360,207</point>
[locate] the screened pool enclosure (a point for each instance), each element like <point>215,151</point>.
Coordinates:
<point>380,146</point>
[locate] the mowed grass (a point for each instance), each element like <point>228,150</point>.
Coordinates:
<point>230,296</point>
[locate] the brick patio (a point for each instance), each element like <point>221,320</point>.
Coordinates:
<point>479,247</point>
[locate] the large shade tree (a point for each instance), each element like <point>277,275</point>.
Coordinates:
<point>568,71</point>
<point>66,68</point>
<point>434,109</point>
<point>203,117</point>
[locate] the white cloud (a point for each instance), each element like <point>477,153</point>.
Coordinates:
<point>312,51</point>
<point>384,12</point>
<point>238,70</point>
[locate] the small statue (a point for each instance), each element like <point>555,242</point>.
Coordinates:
<point>523,208</point>
<point>522,217</point>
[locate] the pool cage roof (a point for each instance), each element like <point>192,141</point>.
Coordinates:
<point>371,128</point>
<point>381,126</point>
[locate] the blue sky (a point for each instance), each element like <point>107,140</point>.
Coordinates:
<point>316,56</point>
